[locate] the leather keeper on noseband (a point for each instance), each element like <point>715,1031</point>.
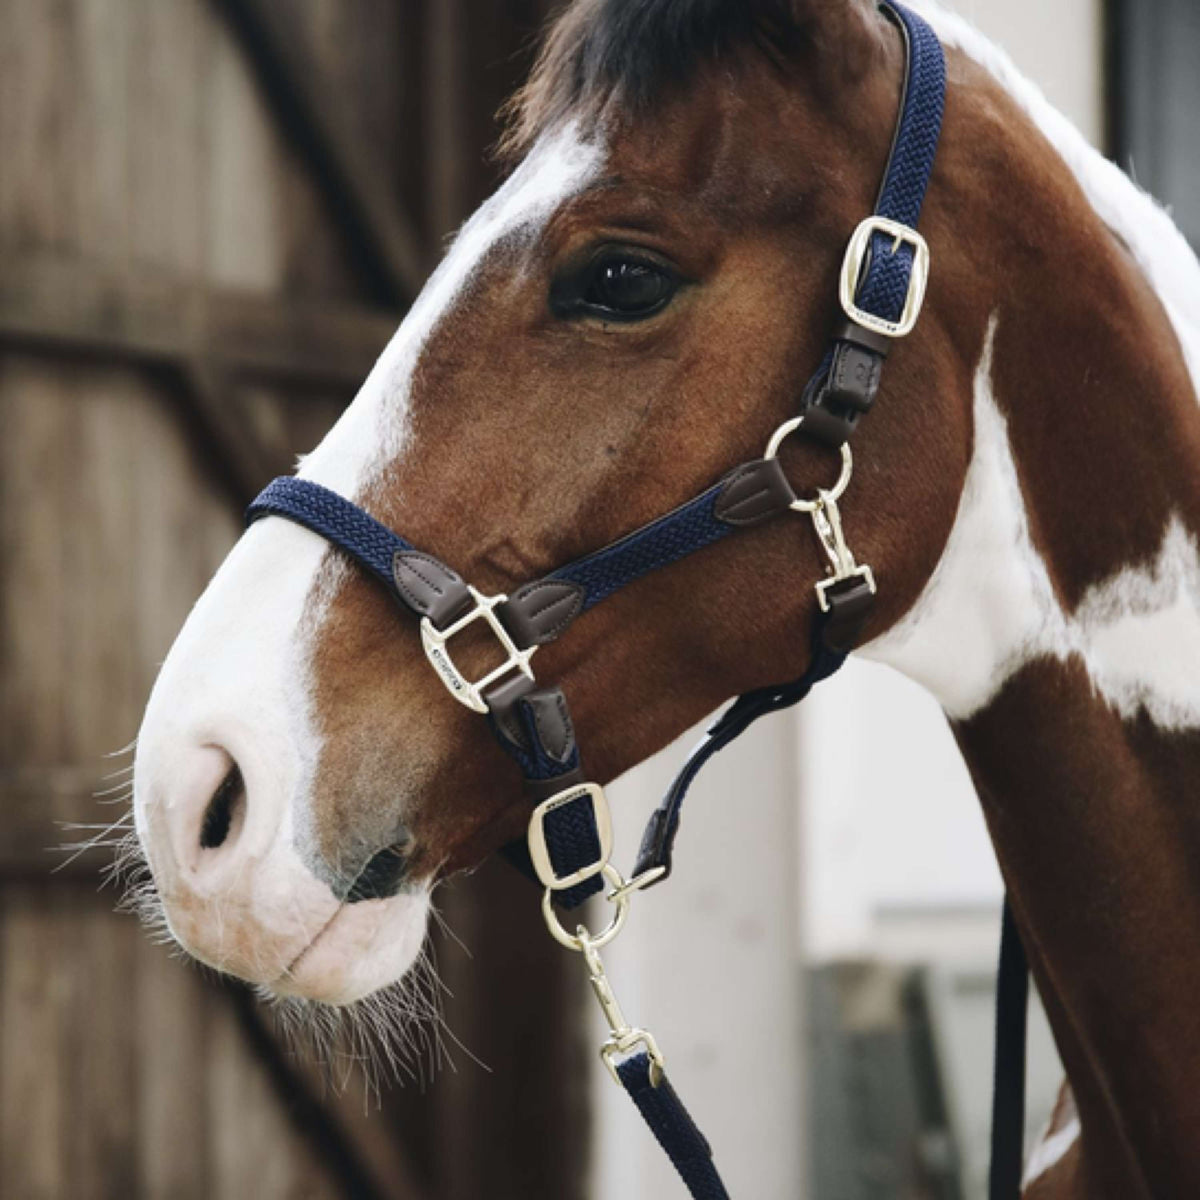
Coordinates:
<point>847,390</point>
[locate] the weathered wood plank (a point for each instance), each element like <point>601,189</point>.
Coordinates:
<point>100,1035</point>
<point>515,1003</point>
<point>171,999</point>
<point>376,1143</point>
<point>36,806</point>
<point>335,1126</point>
<point>33,462</point>
<point>178,538</point>
<point>384,243</point>
<point>253,1149</point>
<point>38,97</point>
<point>239,458</point>
<point>35,980</point>
<point>68,306</point>
<point>99,440</point>
<point>166,157</point>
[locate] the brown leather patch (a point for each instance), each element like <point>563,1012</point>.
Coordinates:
<point>429,586</point>
<point>553,723</point>
<point>539,612</point>
<point>753,493</point>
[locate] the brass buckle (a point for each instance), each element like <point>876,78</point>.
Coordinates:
<point>539,851</point>
<point>464,690</point>
<point>852,265</point>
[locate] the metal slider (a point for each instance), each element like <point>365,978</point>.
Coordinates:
<point>467,691</point>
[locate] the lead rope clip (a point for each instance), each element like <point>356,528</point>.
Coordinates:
<point>827,521</point>
<point>623,1038</point>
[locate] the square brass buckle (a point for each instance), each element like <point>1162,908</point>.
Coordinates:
<point>852,265</point>
<point>539,851</point>
<point>464,690</point>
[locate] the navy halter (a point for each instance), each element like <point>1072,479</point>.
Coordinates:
<point>882,288</point>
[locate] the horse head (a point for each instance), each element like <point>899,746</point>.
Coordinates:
<point>631,315</point>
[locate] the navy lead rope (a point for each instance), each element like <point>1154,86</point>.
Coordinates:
<point>533,724</point>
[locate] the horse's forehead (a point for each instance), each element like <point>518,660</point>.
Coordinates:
<point>372,438</point>
<point>372,433</point>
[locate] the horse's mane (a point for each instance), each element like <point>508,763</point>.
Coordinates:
<point>1146,228</point>
<point>632,51</point>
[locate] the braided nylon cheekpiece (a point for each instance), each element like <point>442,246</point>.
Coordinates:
<point>885,288</point>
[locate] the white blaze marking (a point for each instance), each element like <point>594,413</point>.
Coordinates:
<point>237,675</point>
<point>371,433</point>
<point>990,607</point>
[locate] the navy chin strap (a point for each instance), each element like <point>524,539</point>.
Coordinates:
<point>570,841</point>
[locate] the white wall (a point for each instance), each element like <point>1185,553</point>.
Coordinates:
<point>711,962</point>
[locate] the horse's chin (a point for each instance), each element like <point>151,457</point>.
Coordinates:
<point>364,947</point>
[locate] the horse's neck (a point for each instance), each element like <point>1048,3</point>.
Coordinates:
<point>1061,632</point>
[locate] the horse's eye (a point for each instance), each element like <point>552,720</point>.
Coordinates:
<point>615,286</point>
<point>628,288</point>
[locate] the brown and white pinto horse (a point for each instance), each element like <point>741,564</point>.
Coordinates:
<point>1028,492</point>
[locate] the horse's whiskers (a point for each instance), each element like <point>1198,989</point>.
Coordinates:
<point>397,1034</point>
<point>122,787</point>
<point>108,835</point>
<point>393,1035</point>
<point>127,749</point>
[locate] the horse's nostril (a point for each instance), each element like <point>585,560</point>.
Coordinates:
<point>383,874</point>
<point>223,809</point>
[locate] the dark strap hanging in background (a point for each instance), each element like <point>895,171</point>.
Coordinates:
<point>1008,1088</point>
<point>834,633</point>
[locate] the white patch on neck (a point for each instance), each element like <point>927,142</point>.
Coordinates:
<point>1050,1151</point>
<point>372,432</point>
<point>990,607</point>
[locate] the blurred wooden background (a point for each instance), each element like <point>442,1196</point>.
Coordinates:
<point>213,213</point>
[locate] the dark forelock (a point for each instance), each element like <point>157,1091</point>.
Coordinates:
<point>631,51</point>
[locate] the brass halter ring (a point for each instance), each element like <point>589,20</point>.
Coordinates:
<point>620,898</point>
<point>823,495</point>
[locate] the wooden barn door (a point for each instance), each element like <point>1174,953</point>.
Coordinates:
<point>212,215</point>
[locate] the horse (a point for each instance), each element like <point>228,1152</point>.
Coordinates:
<point>630,315</point>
